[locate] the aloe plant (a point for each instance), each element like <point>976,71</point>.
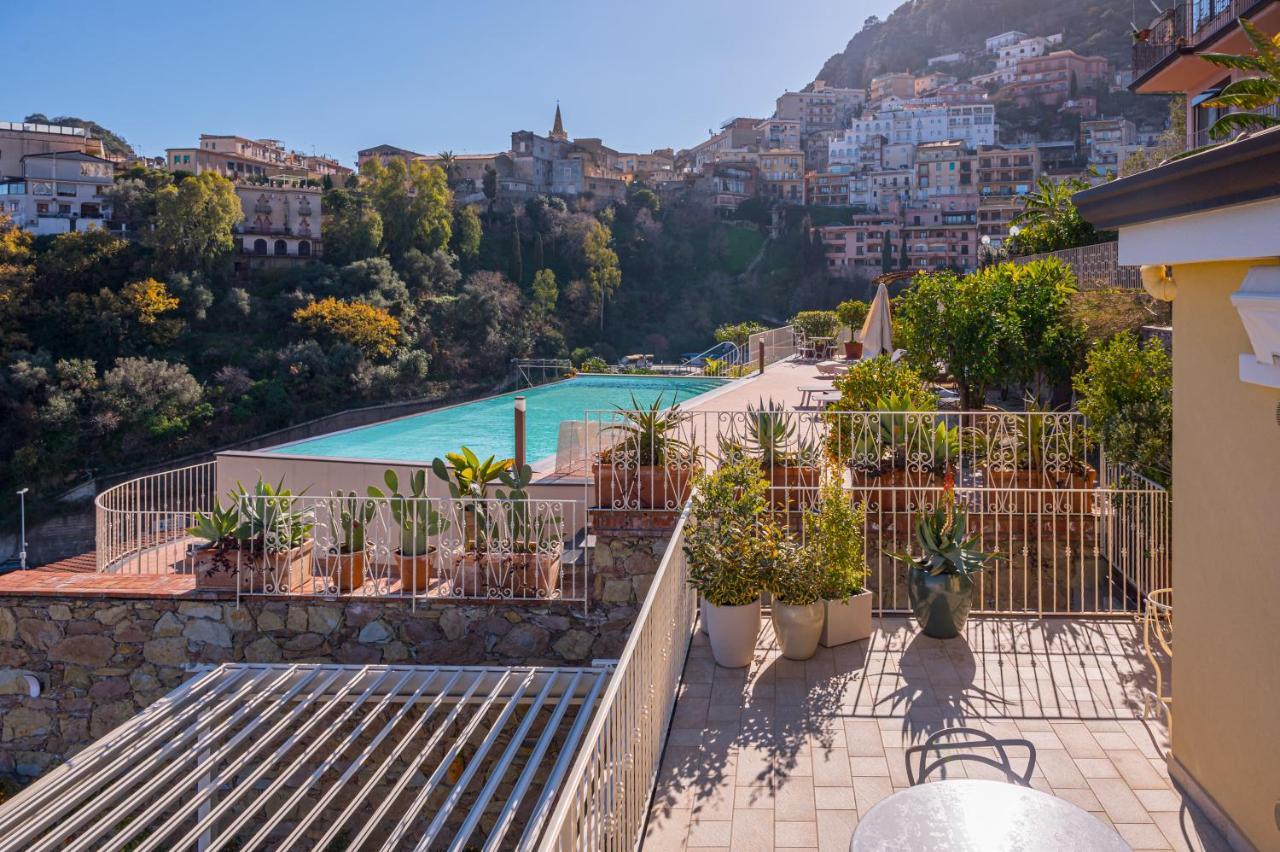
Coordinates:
<point>218,526</point>
<point>945,544</point>
<point>417,518</point>
<point>268,517</point>
<point>771,435</point>
<point>649,433</point>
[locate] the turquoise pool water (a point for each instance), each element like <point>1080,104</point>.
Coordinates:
<point>486,425</point>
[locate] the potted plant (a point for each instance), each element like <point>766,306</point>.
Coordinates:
<point>215,564</point>
<point>790,463</point>
<point>528,560</point>
<point>650,467</point>
<point>725,558</point>
<point>1034,450</point>
<point>419,522</point>
<point>834,541</point>
<point>940,580</point>
<point>277,533</point>
<point>852,314</point>
<point>469,479</point>
<point>341,562</point>
<point>794,579</point>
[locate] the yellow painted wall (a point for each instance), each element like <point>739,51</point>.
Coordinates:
<point>1226,557</point>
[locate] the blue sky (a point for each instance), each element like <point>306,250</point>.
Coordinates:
<point>340,76</point>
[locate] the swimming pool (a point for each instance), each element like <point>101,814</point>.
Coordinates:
<point>486,425</point>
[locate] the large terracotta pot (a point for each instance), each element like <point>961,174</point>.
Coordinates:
<point>798,628</point>
<point>249,570</point>
<point>846,620</point>
<point>733,631</point>
<point>341,571</point>
<point>644,487</point>
<point>508,575</point>
<point>788,485</point>
<point>415,571</point>
<point>216,567</point>
<point>940,602</point>
<point>1030,490</point>
<point>852,350</point>
<point>891,490</point>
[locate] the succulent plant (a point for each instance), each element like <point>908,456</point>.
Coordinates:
<point>415,515</point>
<point>351,515</point>
<point>945,545</point>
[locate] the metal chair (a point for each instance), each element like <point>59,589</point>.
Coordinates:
<point>1157,625</point>
<point>974,738</point>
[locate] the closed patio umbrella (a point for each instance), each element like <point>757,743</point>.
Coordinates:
<point>877,330</point>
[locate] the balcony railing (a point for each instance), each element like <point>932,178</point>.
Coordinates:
<point>1097,267</point>
<point>418,548</point>
<point>1187,24</point>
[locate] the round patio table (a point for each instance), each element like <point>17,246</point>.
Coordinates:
<point>970,815</point>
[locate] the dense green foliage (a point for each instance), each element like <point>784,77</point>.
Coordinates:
<point>1050,220</point>
<point>727,536</point>
<point>869,381</point>
<point>112,143</point>
<point>1126,391</point>
<point>1000,325</point>
<point>834,541</point>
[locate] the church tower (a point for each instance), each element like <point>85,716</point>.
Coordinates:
<point>557,129</point>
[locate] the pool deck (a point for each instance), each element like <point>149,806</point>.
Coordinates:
<point>781,382</point>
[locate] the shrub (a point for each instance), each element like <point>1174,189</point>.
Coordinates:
<point>869,381</point>
<point>834,541</point>
<point>793,577</point>
<point>852,313</point>
<point>816,323</point>
<point>738,333</point>
<point>594,365</point>
<point>1126,391</point>
<point>724,539</point>
<point>371,330</point>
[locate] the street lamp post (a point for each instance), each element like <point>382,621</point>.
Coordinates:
<point>22,529</point>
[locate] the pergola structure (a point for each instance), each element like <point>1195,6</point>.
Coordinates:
<point>319,756</point>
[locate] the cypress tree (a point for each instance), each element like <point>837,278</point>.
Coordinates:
<point>539,262</point>
<point>516,268</point>
<point>904,262</point>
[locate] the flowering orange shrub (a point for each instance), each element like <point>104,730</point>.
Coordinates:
<point>370,329</point>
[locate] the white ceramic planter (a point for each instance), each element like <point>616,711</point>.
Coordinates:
<point>733,631</point>
<point>847,620</point>
<point>798,628</point>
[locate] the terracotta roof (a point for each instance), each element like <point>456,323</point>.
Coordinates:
<point>85,563</point>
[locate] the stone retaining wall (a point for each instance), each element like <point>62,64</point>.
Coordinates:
<point>99,658</point>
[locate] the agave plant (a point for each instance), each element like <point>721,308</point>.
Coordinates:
<point>218,526</point>
<point>771,435</point>
<point>649,433</point>
<point>945,545</point>
<point>417,518</point>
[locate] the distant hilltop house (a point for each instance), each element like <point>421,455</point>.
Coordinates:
<point>52,178</point>
<point>238,158</point>
<point>583,169</point>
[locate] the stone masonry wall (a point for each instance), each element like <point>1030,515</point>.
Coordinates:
<point>101,658</point>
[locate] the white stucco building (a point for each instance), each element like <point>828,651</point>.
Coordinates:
<point>911,123</point>
<point>58,192</point>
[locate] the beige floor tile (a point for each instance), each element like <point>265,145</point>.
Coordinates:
<point>753,797</point>
<point>1096,767</point>
<point>868,791</point>
<point>794,800</point>
<point>1141,836</point>
<point>834,798</point>
<point>795,835</point>
<point>862,738</point>
<point>835,828</point>
<point>668,831</point>
<point>1137,771</point>
<point>752,831</point>
<point>710,833</point>
<point>1080,798</point>
<point>1077,740</point>
<point>831,768</point>
<point>876,767</point>
<point>1059,769</point>
<point>1118,801</point>
<point>1159,800</point>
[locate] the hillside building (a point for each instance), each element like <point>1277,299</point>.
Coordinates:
<point>240,158</point>
<point>57,192</point>
<point>281,225</point>
<point>1057,77</point>
<point>822,107</point>
<point>19,139</point>
<point>895,85</point>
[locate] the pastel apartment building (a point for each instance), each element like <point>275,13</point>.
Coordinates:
<point>945,169</point>
<point>913,123</point>
<point>1057,77</point>
<point>821,107</point>
<point>19,139</point>
<point>240,158</point>
<point>1108,142</point>
<point>782,176</point>
<point>58,191</point>
<point>895,85</point>
<point>281,225</point>
<point>1005,176</point>
<point>995,42</point>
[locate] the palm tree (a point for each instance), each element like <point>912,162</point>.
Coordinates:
<point>1050,201</point>
<point>448,162</point>
<point>1251,93</point>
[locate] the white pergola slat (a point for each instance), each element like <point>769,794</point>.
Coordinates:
<point>315,756</point>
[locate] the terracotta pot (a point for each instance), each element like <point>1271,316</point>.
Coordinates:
<point>733,631</point>
<point>846,620</point>
<point>940,602</point>
<point>788,485</point>
<point>415,571</point>
<point>280,572</point>
<point>1028,491</point>
<point>342,571</point>
<point>890,491</point>
<point>798,628</point>
<point>644,487</point>
<point>508,575</point>
<point>852,350</point>
<point>216,567</point>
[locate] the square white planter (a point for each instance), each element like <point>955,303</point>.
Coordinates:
<point>847,620</point>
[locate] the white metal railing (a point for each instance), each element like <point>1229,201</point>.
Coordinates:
<point>149,513</point>
<point>605,797</point>
<point>301,545</point>
<point>776,343</point>
<point>1075,534</point>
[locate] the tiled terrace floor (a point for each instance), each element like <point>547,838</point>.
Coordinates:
<point>786,754</point>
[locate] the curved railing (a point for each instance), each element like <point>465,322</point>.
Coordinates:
<point>141,524</point>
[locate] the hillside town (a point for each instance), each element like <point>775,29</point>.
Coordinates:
<point>916,162</point>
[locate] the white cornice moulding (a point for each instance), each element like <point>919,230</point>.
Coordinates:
<point>1258,303</point>
<point>1237,232</point>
